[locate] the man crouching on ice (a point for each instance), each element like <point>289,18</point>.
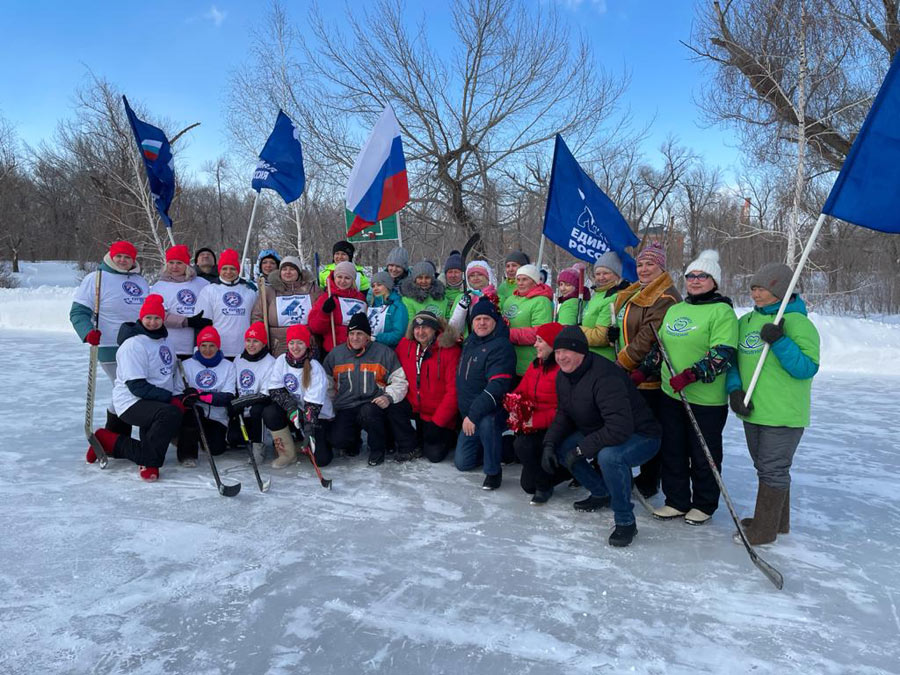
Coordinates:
<point>602,415</point>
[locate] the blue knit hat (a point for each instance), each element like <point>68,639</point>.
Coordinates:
<point>485,306</point>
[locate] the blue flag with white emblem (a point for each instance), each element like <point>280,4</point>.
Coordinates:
<point>867,190</point>
<point>580,218</point>
<point>158,161</point>
<point>280,165</point>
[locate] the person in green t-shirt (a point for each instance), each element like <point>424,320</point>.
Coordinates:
<point>700,336</point>
<point>779,411</point>
<point>568,298</point>
<point>597,322</point>
<point>421,292</point>
<point>526,309</point>
<point>343,251</point>
<point>453,280</point>
<point>511,264</point>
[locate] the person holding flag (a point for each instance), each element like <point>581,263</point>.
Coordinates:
<point>387,314</point>
<point>602,334</point>
<point>331,314</point>
<point>290,294</point>
<point>527,308</point>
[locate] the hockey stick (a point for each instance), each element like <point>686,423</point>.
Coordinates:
<point>264,302</point>
<point>310,451</point>
<point>102,458</point>
<point>771,573</point>
<point>224,490</point>
<point>470,244</point>
<point>263,485</point>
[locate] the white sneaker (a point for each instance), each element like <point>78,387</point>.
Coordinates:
<point>696,517</point>
<point>667,513</point>
<point>189,463</point>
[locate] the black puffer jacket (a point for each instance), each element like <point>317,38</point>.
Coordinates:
<point>599,400</point>
<point>486,369</point>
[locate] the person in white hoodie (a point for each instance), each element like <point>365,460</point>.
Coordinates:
<point>252,371</point>
<point>180,288</point>
<point>228,301</point>
<point>146,393</point>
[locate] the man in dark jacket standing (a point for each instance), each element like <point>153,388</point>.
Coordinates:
<point>600,414</point>
<point>485,375</point>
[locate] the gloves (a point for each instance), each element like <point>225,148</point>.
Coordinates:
<point>637,376</point>
<point>311,414</point>
<point>93,337</point>
<point>329,305</point>
<point>206,398</point>
<point>197,322</point>
<point>612,334</point>
<point>683,379</point>
<point>771,332</point>
<point>189,398</point>
<point>465,301</point>
<point>295,418</point>
<point>177,402</point>
<point>549,463</point>
<point>736,400</point>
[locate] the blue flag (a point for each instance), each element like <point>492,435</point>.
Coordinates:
<point>157,154</point>
<point>867,190</point>
<point>280,165</point>
<point>580,218</point>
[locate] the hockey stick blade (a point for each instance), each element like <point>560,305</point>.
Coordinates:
<point>470,244</point>
<point>102,457</point>
<point>229,490</point>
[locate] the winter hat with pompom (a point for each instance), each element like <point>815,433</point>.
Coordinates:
<point>707,261</point>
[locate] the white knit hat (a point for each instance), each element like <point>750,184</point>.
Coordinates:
<point>529,271</point>
<point>707,261</point>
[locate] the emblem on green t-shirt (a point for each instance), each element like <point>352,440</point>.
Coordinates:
<point>511,311</point>
<point>680,326</point>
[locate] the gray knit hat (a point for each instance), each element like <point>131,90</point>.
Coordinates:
<point>293,261</point>
<point>611,261</point>
<point>423,268</point>
<point>398,256</point>
<point>385,279</point>
<point>774,277</point>
<point>517,257</point>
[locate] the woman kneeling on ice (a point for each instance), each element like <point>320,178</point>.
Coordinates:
<point>298,388</point>
<point>774,420</point>
<point>145,393</point>
<point>252,370</point>
<point>212,375</point>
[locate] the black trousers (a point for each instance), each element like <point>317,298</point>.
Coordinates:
<point>687,479</point>
<point>648,478</point>
<point>189,436</point>
<point>158,424</point>
<point>275,419</point>
<point>529,448</point>
<point>349,423</point>
<point>435,442</point>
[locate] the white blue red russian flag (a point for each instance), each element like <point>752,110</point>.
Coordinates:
<point>378,187</point>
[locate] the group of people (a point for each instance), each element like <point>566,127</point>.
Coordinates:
<point>580,385</point>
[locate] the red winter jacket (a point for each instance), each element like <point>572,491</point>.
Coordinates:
<point>539,385</point>
<point>320,321</point>
<point>432,393</point>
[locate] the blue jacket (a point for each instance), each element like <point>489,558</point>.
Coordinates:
<point>797,364</point>
<point>485,374</point>
<point>395,321</point>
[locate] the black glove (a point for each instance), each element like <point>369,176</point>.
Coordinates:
<point>771,332</point>
<point>612,334</point>
<point>571,457</point>
<point>190,397</point>
<point>736,400</point>
<point>197,322</point>
<point>465,301</point>
<point>329,305</point>
<point>549,463</point>
<point>311,414</point>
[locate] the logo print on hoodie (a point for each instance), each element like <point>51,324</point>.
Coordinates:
<point>206,379</point>
<point>186,297</point>
<point>165,355</point>
<point>133,293</point>
<point>247,378</point>
<point>232,299</point>
<point>291,383</point>
<point>751,342</point>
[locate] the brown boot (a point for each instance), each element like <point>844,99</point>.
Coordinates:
<point>784,525</point>
<point>767,516</point>
<point>284,448</point>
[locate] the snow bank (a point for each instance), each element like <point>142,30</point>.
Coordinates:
<point>45,308</point>
<point>48,273</point>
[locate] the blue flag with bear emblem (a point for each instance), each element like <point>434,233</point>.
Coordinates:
<point>158,161</point>
<point>580,218</point>
<point>280,165</point>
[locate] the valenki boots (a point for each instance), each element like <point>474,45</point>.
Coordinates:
<point>767,517</point>
<point>284,448</point>
<point>784,524</point>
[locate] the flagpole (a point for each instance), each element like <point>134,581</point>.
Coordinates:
<point>541,252</point>
<point>171,238</point>
<point>399,231</point>
<point>784,303</point>
<point>250,229</point>
<point>299,231</point>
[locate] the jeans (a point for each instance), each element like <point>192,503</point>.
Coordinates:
<point>615,462</point>
<point>484,446</point>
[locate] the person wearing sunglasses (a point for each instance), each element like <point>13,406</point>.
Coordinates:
<point>700,336</point>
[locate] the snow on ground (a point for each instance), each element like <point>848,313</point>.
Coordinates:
<point>414,569</point>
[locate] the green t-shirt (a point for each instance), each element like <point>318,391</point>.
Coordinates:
<point>505,288</point>
<point>779,400</point>
<point>436,307</point>
<point>597,313</point>
<point>688,332</point>
<point>568,312</point>
<point>452,295</point>
<point>525,313</point>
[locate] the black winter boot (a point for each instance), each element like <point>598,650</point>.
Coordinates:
<point>592,503</point>
<point>492,482</point>
<point>623,535</point>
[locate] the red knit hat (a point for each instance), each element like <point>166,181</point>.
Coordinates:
<point>153,304</point>
<point>257,331</point>
<point>229,257</point>
<point>125,247</point>
<point>180,253</point>
<point>209,334</point>
<point>299,332</point>
<point>548,331</point>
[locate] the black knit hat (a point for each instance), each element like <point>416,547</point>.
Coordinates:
<point>485,306</point>
<point>344,246</point>
<point>360,321</point>
<point>201,250</point>
<point>517,257</point>
<point>572,338</point>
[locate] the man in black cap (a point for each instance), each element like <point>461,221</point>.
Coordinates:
<point>369,393</point>
<point>600,414</point>
<point>343,251</point>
